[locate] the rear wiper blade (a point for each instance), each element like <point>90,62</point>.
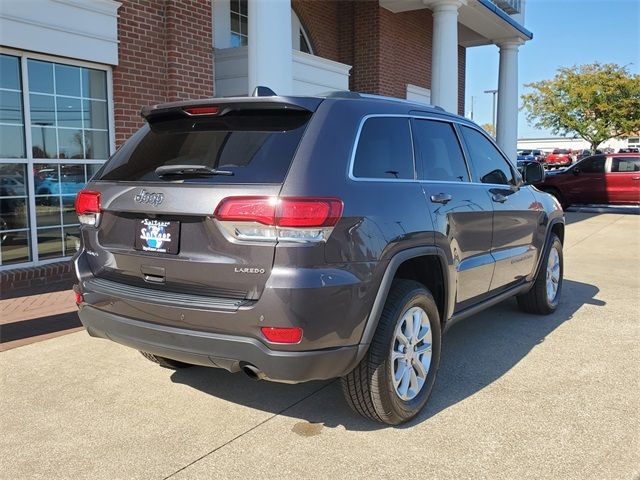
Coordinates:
<point>190,170</point>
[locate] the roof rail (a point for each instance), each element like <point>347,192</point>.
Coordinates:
<point>349,94</point>
<point>400,100</point>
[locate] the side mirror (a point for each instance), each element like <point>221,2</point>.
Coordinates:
<point>532,172</point>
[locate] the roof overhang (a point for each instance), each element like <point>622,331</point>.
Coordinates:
<point>481,21</point>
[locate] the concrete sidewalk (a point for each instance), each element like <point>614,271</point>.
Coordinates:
<point>517,397</point>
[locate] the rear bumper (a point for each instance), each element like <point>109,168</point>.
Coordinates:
<point>217,350</point>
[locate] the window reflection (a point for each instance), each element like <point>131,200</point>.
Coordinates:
<point>68,120</point>
<point>14,214</point>
<point>11,117</point>
<point>74,106</point>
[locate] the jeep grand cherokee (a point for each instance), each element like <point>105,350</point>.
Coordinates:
<point>306,238</point>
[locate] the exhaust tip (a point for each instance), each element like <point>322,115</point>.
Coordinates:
<point>253,372</point>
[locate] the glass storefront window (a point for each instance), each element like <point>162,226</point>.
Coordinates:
<point>11,111</point>
<point>14,214</point>
<point>69,103</point>
<point>68,119</point>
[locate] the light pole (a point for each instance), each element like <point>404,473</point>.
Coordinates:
<point>493,92</point>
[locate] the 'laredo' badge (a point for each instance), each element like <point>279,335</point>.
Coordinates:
<point>248,270</point>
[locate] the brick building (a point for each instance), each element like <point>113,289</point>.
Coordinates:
<point>75,73</point>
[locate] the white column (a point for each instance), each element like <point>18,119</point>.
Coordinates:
<point>444,58</point>
<point>221,23</point>
<point>270,56</point>
<point>507,121</point>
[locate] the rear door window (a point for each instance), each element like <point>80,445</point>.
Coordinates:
<point>438,152</point>
<point>257,147</point>
<point>384,149</point>
<point>625,164</point>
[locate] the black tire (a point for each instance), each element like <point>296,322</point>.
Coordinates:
<point>537,300</point>
<point>165,362</point>
<point>369,388</point>
<point>556,193</point>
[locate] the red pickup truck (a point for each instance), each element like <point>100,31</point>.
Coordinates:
<point>560,157</point>
<point>599,179</point>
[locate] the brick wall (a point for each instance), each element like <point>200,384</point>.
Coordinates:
<point>16,281</point>
<point>386,50</point>
<point>189,47</point>
<point>405,50</point>
<point>322,24</point>
<point>165,53</point>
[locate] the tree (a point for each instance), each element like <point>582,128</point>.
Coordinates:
<point>595,102</point>
<point>488,127</point>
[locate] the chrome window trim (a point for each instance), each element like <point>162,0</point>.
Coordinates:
<point>608,169</point>
<point>460,144</point>
<point>514,169</point>
<point>354,149</point>
<point>455,123</point>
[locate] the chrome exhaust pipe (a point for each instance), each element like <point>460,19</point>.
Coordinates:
<point>252,372</point>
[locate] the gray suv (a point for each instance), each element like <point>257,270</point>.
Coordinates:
<point>309,238</point>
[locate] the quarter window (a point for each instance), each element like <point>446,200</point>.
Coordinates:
<point>438,152</point>
<point>488,163</point>
<point>384,149</point>
<point>625,164</point>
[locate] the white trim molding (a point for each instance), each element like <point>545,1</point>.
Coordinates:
<point>84,30</point>
<point>311,74</point>
<point>418,94</point>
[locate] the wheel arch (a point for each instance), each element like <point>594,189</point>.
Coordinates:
<point>556,226</point>
<point>407,264</point>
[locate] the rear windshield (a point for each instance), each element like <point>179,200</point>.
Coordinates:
<point>561,151</point>
<point>257,147</point>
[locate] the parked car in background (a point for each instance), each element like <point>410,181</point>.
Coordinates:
<point>539,155</point>
<point>535,155</point>
<point>599,179</point>
<point>12,186</point>
<point>587,153</point>
<point>560,157</point>
<point>629,150</point>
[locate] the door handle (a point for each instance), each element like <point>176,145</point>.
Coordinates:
<point>442,198</point>
<point>498,197</point>
<point>635,178</point>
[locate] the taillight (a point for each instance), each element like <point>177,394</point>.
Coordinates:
<point>282,335</point>
<point>88,207</point>
<point>247,209</point>
<point>298,219</point>
<point>308,212</point>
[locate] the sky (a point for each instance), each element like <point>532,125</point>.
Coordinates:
<point>565,33</point>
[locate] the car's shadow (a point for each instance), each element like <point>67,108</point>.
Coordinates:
<point>476,352</point>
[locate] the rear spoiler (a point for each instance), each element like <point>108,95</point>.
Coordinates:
<point>221,106</point>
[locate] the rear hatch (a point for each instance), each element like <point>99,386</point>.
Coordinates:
<point>158,194</point>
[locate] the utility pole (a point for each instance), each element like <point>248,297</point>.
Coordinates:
<point>493,92</point>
